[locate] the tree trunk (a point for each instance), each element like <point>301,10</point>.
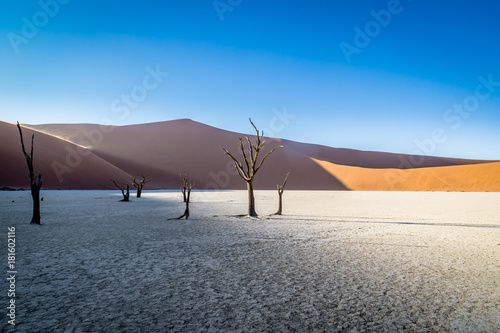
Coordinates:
<point>36,182</point>
<point>186,212</point>
<point>127,196</point>
<point>184,194</point>
<point>35,194</point>
<point>140,185</point>
<point>280,204</point>
<point>280,195</point>
<point>251,200</point>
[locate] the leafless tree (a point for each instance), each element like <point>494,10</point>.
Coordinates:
<point>126,196</point>
<point>186,191</point>
<point>250,166</point>
<point>185,184</point>
<point>139,185</point>
<point>36,181</point>
<point>280,194</point>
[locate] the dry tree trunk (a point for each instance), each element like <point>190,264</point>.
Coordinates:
<point>186,191</point>
<point>185,184</point>
<point>186,211</point>
<point>280,194</point>
<point>251,166</point>
<point>126,196</point>
<point>140,185</point>
<point>251,200</point>
<point>36,181</point>
<point>183,190</point>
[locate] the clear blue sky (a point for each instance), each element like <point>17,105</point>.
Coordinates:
<point>385,89</point>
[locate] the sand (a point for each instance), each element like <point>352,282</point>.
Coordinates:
<point>335,262</point>
<point>68,155</point>
<point>484,177</point>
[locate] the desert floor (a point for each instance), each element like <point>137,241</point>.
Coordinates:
<point>334,262</point>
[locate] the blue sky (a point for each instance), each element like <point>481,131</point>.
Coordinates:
<point>421,77</point>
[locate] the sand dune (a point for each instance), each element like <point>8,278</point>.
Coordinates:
<point>163,150</point>
<point>50,154</point>
<point>374,159</point>
<point>471,178</point>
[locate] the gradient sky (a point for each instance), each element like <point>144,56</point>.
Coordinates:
<point>400,91</point>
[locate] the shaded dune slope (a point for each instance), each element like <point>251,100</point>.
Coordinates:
<point>63,165</point>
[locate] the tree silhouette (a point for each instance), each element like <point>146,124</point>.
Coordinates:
<point>186,191</point>
<point>139,185</point>
<point>126,196</point>
<point>280,194</point>
<point>36,181</point>
<point>185,184</point>
<point>249,168</point>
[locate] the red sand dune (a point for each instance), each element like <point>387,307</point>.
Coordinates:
<point>163,150</point>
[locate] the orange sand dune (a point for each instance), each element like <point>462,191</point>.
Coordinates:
<point>471,178</point>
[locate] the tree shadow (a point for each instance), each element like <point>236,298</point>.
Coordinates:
<point>440,224</point>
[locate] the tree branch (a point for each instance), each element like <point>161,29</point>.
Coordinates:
<point>286,177</point>
<point>272,150</point>
<point>244,155</point>
<point>256,130</point>
<point>22,141</point>
<point>121,189</point>
<point>238,166</point>
<point>250,148</point>
<point>32,138</point>
<point>258,134</point>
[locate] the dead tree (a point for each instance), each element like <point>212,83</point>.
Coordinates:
<point>139,185</point>
<point>126,196</point>
<point>249,168</point>
<point>280,194</point>
<point>187,186</point>
<point>36,181</point>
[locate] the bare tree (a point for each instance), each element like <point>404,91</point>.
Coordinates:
<point>36,181</point>
<point>280,194</point>
<point>139,185</point>
<point>126,196</point>
<point>186,191</point>
<point>185,184</point>
<point>251,166</point>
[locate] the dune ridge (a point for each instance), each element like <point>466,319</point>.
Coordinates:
<point>88,156</point>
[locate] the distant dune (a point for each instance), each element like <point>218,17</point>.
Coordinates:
<point>470,178</point>
<point>88,156</point>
